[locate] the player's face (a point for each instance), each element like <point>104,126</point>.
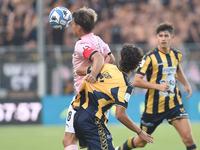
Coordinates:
<point>75,28</point>
<point>164,39</point>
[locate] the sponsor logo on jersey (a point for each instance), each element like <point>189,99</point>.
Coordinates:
<point>161,64</point>
<point>169,70</point>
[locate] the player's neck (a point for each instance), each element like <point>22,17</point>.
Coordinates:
<point>128,73</point>
<point>82,34</point>
<point>165,50</point>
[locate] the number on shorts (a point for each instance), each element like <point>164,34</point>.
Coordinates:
<point>69,115</point>
<point>182,110</point>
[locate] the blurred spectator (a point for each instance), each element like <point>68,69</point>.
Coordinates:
<point>59,75</point>
<point>68,87</point>
<point>119,21</point>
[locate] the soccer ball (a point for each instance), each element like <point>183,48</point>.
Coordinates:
<point>60,18</point>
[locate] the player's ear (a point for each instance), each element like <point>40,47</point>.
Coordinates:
<point>172,36</point>
<point>78,27</point>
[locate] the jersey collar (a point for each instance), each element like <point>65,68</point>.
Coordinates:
<point>163,51</point>
<point>87,35</point>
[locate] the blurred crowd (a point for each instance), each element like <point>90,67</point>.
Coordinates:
<point>119,21</point>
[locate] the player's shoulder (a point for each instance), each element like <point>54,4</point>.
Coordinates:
<point>110,66</point>
<point>151,52</point>
<point>81,41</point>
<point>176,50</point>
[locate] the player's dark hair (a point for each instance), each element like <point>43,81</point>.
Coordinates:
<point>131,57</point>
<point>165,27</point>
<point>86,18</point>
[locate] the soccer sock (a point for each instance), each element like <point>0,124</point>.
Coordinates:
<point>128,145</point>
<point>71,147</point>
<point>193,147</point>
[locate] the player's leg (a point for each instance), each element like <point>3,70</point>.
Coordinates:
<point>131,143</point>
<point>91,129</point>
<point>69,139</point>
<point>180,120</point>
<point>184,129</point>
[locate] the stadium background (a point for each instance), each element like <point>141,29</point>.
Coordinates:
<point>36,78</point>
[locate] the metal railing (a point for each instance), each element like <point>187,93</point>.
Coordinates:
<point>19,69</point>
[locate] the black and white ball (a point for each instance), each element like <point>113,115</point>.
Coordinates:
<point>60,18</point>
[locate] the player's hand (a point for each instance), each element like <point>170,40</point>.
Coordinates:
<point>164,87</point>
<point>189,89</point>
<point>146,137</point>
<point>104,55</point>
<point>90,78</point>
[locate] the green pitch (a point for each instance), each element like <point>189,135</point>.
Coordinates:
<point>37,137</point>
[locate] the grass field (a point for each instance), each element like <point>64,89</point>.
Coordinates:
<point>37,137</point>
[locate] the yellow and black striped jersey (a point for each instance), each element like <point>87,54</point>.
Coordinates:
<point>160,67</point>
<point>112,87</point>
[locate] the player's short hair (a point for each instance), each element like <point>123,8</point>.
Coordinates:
<point>165,27</point>
<point>86,18</point>
<point>131,57</point>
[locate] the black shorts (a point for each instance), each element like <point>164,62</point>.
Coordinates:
<point>149,122</point>
<point>91,132</point>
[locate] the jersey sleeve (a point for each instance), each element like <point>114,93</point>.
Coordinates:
<point>144,65</point>
<point>84,49</point>
<point>179,60</point>
<point>105,46</point>
<point>122,95</point>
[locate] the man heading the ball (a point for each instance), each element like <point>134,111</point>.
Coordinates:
<point>88,48</point>
<point>112,87</point>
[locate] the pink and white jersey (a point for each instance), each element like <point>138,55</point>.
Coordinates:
<point>84,49</point>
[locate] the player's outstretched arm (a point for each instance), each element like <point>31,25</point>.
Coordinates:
<point>181,77</point>
<point>141,83</point>
<point>121,115</point>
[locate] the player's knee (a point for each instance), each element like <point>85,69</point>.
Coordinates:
<point>141,144</point>
<point>63,141</point>
<point>188,139</point>
<point>69,139</point>
<point>138,142</point>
